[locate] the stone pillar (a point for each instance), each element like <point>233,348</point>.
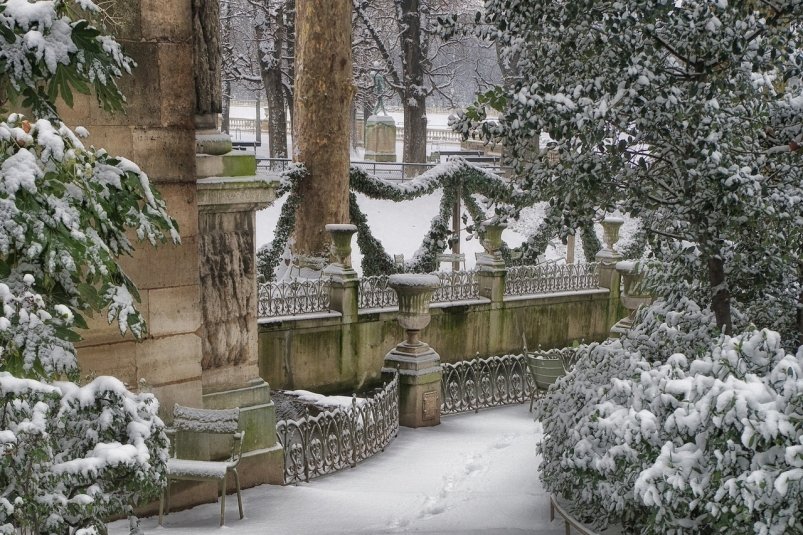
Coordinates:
<point>419,366</point>
<point>380,139</point>
<point>229,331</point>
<point>344,280</point>
<point>607,259</point>
<point>491,266</point>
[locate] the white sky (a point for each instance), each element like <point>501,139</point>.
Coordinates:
<point>473,474</point>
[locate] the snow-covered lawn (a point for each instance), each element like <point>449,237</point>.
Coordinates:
<point>475,473</point>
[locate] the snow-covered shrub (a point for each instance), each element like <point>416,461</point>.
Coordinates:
<point>674,429</point>
<point>73,455</point>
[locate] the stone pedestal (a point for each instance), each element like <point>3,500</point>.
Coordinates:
<point>491,269</point>
<point>380,139</point>
<point>607,259</point>
<point>344,283</point>
<point>418,365</point>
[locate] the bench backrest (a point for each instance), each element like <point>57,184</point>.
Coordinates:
<point>218,421</point>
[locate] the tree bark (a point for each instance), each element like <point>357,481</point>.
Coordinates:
<point>271,37</point>
<point>323,92</point>
<point>721,298</point>
<point>207,56</point>
<point>414,97</point>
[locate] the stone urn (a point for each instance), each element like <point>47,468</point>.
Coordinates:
<point>341,242</point>
<point>610,228</point>
<point>633,293</point>
<point>414,292</point>
<point>492,238</point>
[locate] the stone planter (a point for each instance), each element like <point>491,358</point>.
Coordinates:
<point>633,294</point>
<point>492,239</point>
<point>610,228</point>
<point>546,371</point>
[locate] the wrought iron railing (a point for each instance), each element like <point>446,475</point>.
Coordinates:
<point>374,292</point>
<point>456,286</point>
<point>547,278</point>
<point>477,384</point>
<point>333,440</point>
<point>284,298</point>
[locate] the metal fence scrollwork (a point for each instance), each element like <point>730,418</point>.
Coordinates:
<point>337,439</point>
<point>456,286</point>
<point>375,293</point>
<point>547,278</point>
<point>477,384</point>
<point>302,296</point>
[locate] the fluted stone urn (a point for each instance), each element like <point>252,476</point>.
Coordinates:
<point>610,228</point>
<point>418,365</point>
<point>341,242</point>
<point>634,294</point>
<point>343,280</point>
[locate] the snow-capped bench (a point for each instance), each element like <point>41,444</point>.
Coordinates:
<point>188,422</point>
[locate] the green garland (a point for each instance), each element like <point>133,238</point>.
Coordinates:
<point>451,177</point>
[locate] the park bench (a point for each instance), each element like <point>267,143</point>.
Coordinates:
<point>191,424</point>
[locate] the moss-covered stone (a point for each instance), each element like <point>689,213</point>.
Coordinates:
<point>239,164</point>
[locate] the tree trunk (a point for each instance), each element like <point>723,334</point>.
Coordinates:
<point>721,298</point>
<point>800,302</point>
<point>414,98</point>
<point>224,122</point>
<point>271,36</point>
<point>323,91</point>
<point>207,56</point>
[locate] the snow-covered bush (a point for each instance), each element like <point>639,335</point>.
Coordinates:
<point>72,455</point>
<point>675,429</point>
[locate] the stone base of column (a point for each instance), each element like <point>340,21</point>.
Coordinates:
<point>420,375</point>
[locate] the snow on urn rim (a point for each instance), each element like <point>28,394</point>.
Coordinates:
<point>340,227</point>
<point>413,281</point>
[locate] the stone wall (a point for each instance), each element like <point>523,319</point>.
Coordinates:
<point>157,132</point>
<point>336,354</point>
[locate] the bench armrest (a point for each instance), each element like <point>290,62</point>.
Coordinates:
<point>237,447</point>
<point>171,441</point>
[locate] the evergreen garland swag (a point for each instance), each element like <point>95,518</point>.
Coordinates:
<point>456,178</point>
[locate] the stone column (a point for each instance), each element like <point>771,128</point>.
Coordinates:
<point>491,266</point>
<point>419,366</point>
<point>607,259</point>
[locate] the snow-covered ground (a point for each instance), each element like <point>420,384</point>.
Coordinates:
<point>473,474</point>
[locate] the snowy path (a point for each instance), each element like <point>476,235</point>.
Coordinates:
<point>474,474</point>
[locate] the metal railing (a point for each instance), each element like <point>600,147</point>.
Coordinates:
<point>284,298</point>
<point>332,440</point>
<point>547,278</point>
<point>457,286</point>
<point>374,292</point>
<point>471,385</point>
<point>481,383</point>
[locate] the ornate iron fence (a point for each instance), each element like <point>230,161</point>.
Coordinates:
<point>332,440</point>
<point>477,384</point>
<point>375,293</point>
<point>456,286</point>
<point>529,280</point>
<point>295,297</point>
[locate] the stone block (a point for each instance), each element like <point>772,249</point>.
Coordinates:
<point>239,164</point>
<point>118,359</point>
<point>170,360</point>
<point>181,200</point>
<point>166,21</point>
<point>100,331</point>
<point>117,140</point>
<point>77,114</point>
<point>176,82</point>
<point>207,165</point>
<point>174,310</point>
<point>142,90</point>
<point>166,154</point>
<point>380,139</point>
<point>165,266</point>
<point>128,20</point>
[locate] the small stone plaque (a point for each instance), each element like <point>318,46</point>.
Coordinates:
<point>430,405</point>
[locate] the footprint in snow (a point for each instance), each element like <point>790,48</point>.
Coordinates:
<point>505,441</point>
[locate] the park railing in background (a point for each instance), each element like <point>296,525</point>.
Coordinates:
<point>550,277</point>
<point>332,440</point>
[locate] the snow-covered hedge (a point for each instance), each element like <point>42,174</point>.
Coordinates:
<point>73,455</point>
<point>673,429</point>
